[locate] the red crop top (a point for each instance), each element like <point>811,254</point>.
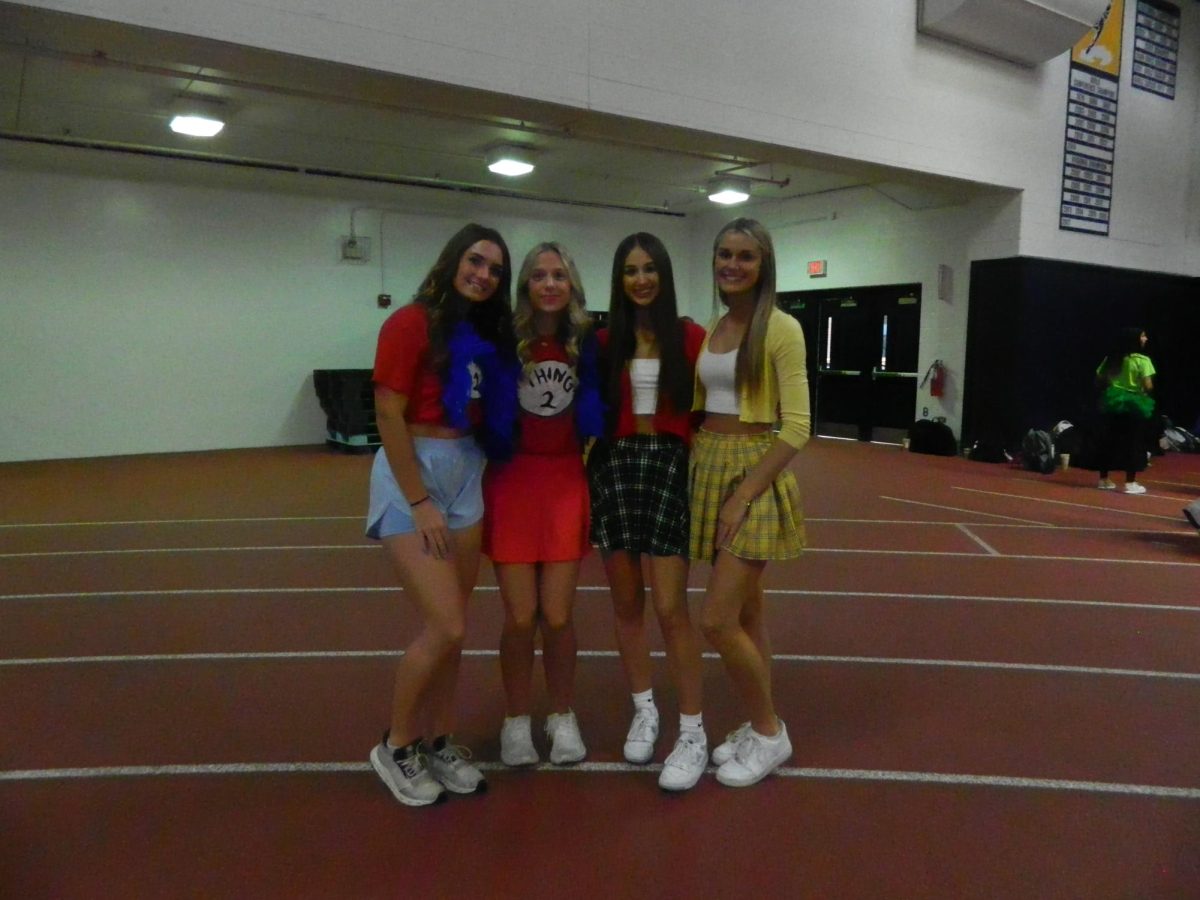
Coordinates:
<point>402,364</point>
<point>666,421</point>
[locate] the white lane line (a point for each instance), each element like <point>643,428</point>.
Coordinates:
<point>984,598</point>
<point>1087,506</point>
<point>1030,557</point>
<point>604,768</point>
<point>603,589</point>
<point>934,523</point>
<point>290,655</point>
<point>992,551</point>
<point>808,550</point>
<point>119,524</point>
<point>973,512</point>
<point>153,550</point>
<point>827,520</point>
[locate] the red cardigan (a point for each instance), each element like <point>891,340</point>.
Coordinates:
<point>680,423</point>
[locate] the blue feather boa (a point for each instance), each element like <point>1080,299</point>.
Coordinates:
<point>589,407</point>
<point>463,348</point>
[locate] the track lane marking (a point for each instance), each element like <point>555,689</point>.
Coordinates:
<point>226,521</point>
<point>807,551</point>
<point>992,551</point>
<point>602,768</point>
<point>973,512</point>
<point>1088,506</point>
<point>291,655</point>
<point>603,589</point>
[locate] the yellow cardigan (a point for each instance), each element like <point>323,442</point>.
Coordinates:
<point>783,393</point>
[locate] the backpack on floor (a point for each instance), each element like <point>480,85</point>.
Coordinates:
<point>931,436</point>
<point>1176,438</point>
<point>1067,438</point>
<point>984,450</point>
<point>1037,451</point>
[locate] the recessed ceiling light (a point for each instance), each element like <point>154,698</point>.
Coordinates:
<point>198,116</point>
<point>508,160</point>
<point>728,190</point>
<point>196,126</point>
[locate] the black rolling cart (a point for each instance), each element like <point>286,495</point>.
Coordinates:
<point>347,397</point>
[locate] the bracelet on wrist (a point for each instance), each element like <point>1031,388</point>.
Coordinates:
<point>412,503</point>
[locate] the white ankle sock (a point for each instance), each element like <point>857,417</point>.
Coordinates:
<point>644,702</point>
<point>770,738</point>
<point>691,723</point>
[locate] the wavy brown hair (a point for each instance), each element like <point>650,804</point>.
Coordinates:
<point>446,307</point>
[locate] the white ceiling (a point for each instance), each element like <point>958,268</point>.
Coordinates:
<point>76,81</point>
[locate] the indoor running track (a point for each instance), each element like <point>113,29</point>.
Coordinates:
<point>990,678</point>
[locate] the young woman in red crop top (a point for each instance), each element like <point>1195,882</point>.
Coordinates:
<point>638,479</point>
<point>536,503</point>
<point>433,368</point>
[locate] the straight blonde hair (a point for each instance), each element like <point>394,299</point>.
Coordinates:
<point>752,352</point>
<point>572,326</point>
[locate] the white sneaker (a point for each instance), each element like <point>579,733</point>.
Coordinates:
<point>755,758</point>
<point>450,767</point>
<point>516,742</point>
<point>566,743</point>
<point>406,776</point>
<point>686,763</point>
<point>643,732</point>
<point>1107,484</point>
<point>1134,488</point>
<point>724,752</point>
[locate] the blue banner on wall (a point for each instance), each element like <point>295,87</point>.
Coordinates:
<point>1091,133</point>
<point>1156,47</point>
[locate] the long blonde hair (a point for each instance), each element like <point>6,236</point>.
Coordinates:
<point>752,352</point>
<point>572,326</point>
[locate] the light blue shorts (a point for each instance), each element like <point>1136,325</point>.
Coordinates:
<point>452,471</point>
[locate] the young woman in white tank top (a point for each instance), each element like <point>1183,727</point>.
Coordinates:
<point>638,480</point>
<point>745,505</point>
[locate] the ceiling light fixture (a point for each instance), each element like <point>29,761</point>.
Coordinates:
<point>508,160</point>
<point>729,189</point>
<point>197,116</point>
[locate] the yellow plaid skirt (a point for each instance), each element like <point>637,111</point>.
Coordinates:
<point>774,525</point>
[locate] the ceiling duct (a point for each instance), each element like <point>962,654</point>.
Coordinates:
<point>1021,31</point>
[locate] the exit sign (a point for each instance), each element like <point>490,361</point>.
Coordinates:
<point>816,268</point>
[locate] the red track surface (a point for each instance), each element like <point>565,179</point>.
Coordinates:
<point>990,678</point>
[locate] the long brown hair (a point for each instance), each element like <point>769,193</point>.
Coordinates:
<point>674,377</point>
<point>752,352</point>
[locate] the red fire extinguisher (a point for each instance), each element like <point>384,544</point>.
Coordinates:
<point>936,377</point>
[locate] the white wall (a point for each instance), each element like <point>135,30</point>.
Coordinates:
<point>151,306</point>
<point>156,312</point>
<point>851,79</point>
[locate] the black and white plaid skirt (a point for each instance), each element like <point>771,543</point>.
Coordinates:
<point>639,488</point>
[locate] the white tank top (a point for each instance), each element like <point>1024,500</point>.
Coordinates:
<point>718,374</point>
<point>643,375</point>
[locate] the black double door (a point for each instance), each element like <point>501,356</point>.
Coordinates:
<point>863,348</point>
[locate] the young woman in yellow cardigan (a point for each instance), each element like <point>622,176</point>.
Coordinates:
<point>745,504</point>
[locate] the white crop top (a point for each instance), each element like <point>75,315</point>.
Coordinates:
<point>643,376</point>
<point>718,374</point>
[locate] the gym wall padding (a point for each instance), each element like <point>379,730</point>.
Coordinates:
<point>1037,329</point>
